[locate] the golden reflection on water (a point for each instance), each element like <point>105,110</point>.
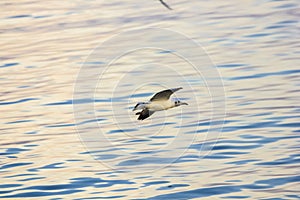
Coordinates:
<point>46,43</point>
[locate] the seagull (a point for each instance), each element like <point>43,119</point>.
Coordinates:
<point>160,101</point>
<point>166,5</point>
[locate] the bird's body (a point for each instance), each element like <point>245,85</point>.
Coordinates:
<point>160,101</point>
<point>160,105</point>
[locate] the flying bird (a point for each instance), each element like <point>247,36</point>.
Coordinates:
<point>160,101</point>
<point>166,5</point>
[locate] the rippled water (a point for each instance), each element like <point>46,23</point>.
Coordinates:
<point>172,155</point>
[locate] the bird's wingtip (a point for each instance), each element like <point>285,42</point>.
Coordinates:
<point>179,88</point>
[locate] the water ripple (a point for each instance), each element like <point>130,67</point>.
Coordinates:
<point>254,46</point>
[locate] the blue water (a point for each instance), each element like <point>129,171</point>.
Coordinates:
<point>178,154</point>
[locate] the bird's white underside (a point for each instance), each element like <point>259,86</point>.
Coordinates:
<point>160,105</point>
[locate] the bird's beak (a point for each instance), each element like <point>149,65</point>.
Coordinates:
<point>183,103</point>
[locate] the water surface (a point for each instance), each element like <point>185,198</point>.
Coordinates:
<point>253,44</point>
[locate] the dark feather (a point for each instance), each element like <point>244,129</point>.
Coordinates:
<point>145,113</point>
<point>164,95</point>
<point>136,106</point>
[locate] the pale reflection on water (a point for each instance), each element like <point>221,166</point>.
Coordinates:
<point>255,48</point>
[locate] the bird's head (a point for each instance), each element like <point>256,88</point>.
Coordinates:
<point>179,103</point>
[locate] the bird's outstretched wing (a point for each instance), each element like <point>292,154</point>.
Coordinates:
<point>166,5</point>
<point>164,95</point>
<point>145,113</point>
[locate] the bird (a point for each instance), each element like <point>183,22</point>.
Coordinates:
<point>166,5</point>
<point>160,101</point>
